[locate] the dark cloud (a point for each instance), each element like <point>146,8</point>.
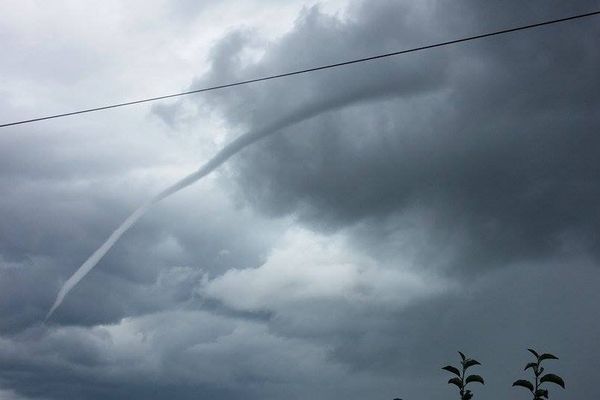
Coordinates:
<point>495,138</point>
<point>446,200</point>
<point>44,237</point>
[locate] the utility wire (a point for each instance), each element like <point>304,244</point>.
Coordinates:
<point>304,71</point>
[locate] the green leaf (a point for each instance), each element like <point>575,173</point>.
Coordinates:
<point>474,378</point>
<point>462,356</point>
<point>470,363</point>
<point>541,393</point>
<point>534,353</point>
<point>548,356</point>
<point>530,365</point>
<point>524,383</point>
<point>457,382</point>
<point>553,379</point>
<point>452,369</point>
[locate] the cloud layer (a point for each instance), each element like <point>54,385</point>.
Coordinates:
<point>494,140</point>
<point>408,208</point>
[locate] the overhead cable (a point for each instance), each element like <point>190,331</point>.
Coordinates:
<point>304,71</point>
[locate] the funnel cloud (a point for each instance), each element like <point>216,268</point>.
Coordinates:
<point>222,156</point>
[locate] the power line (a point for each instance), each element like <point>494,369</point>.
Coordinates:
<point>304,71</point>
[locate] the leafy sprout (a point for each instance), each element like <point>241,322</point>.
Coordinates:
<point>535,388</point>
<point>461,380</point>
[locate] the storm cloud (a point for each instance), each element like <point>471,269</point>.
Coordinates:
<point>405,209</point>
<point>495,141</point>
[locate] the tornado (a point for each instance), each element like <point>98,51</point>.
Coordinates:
<point>221,157</point>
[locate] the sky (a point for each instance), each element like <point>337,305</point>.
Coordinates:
<point>402,210</point>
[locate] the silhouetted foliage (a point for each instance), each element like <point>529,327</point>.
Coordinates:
<point>538,392</point>
<point>461,380</point>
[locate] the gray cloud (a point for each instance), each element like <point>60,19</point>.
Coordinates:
<point>431,203</point>
<point>48,235</point>
<point>496,138</point>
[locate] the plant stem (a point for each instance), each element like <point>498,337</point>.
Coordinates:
<point>537,384</point>
<point>462,381</point>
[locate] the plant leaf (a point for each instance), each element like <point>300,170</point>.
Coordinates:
<point>535,353</point>
<point>452,369</point>
<point>553,379</point>
<point>474,378</point>
<point>541,393</point>
<point>530,365</point>
<point>548,356</point>
<point>457,382</point>
<point>470,363</point>
<point>462,356</point>
<point>524,383</point>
